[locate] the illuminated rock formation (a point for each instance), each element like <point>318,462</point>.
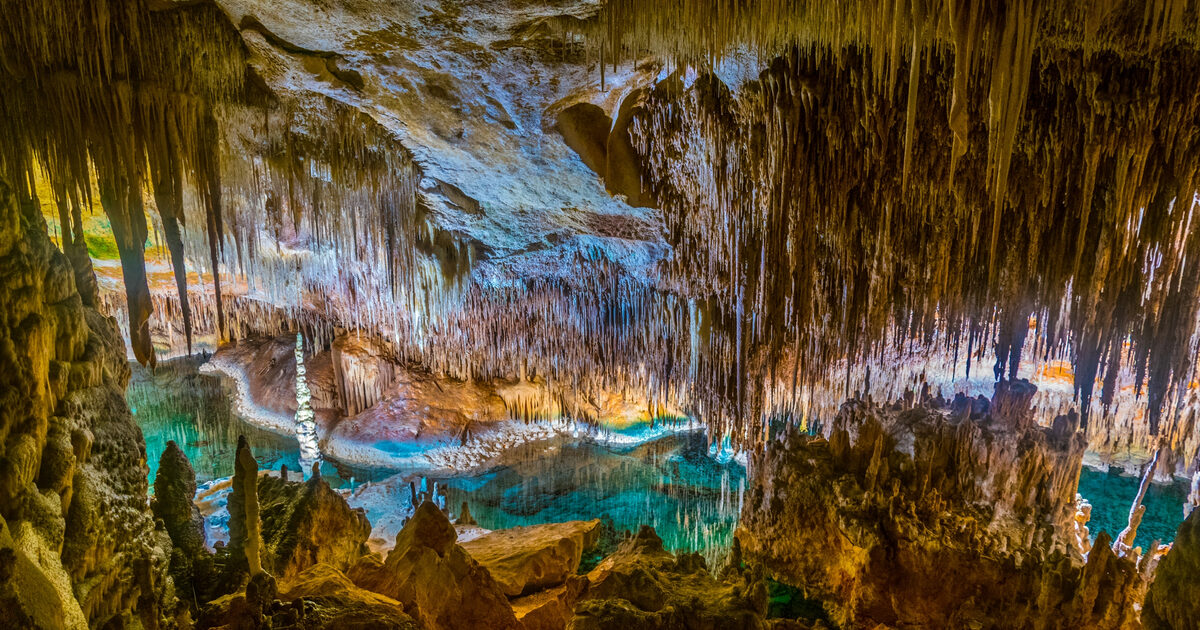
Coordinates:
<point>78,545</point>
<point>438,583</point>
<point>527,559</point>
<point>1173,600</point>
<point>929,515</point>
<point>642,585</point>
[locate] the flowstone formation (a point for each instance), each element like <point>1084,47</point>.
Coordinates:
<point>938,514</point>
<point>78,543</point>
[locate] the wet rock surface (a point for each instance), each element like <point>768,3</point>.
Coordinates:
<point>931,517</point>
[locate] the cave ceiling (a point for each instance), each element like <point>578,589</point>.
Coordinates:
<point>720,203</point>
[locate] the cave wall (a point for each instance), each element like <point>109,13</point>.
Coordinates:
<point>78,544</point>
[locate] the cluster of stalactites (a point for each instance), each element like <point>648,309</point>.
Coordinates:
<point>833,220</point>
<point>140,99</point>
<point>120,94</point>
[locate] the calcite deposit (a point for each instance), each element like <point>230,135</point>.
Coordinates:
<point>914,261</point>
<point>939,514</point>
<point>78,547</point>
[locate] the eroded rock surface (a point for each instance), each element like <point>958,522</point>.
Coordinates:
<point>78,545</point>
<point>305,524</point>
<point>1173,601</point>
<point>526,559</point>
<point>642,585</point>
<point>438,583</point>
<point>930,516</point>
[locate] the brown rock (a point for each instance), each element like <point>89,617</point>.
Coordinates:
<point>309,523</point>
<point>437,582</point>
<point>918,518</point>
<point>641,585</point>
<point>341,604</point>
<point>550,609</point>
<point>585,128</point>
<point>526,559</point>
<point>1173,601</point>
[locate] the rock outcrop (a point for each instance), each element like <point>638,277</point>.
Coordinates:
<point>930,516</point>
<point>78,545</point>
<point>436,581</point>
<point>305,524</point>
<point>174,493</point>
<point>1173,601</point>
<point>527,559</point>
<point>642,585</point>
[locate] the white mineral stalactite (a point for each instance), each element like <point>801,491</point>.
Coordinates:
<point>306,426</point>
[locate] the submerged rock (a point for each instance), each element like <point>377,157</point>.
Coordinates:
<point>920,517</point>
<point>526,559</point>
<point>437,582</point>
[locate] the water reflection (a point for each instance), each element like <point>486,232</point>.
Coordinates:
<point>1111,494</point>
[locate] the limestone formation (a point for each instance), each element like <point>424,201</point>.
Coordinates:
<point>1173,601</point>
<point>527,559</point>
<point>642,585</point>
<point>192,566</point>
<point>305,524</point>
<point>245,527</point>
<point>78,546</point>
<point>920,516</point>
<point>436,581</point>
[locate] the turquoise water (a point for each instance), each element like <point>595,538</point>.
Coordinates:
<point>1111,494</point>
<point>671,482</point>
<point>177,402</point>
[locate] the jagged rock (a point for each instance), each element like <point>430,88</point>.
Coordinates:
<point>526,559</point>
<point>1173,600</point>
<point>464,516</point>
<point>174,491</point>
<point>308,523</point>
<point>550,609</point>
<point>919,517</point>
<point>192,566</point>
<point>340,604</point>
<point>437,582</point>
<point>644,586</point>
<point>320,598</point>
<point>245,526</point>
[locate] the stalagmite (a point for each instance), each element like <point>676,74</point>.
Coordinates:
<point>1123,544</point>
<point>245,528</point>
<point>306,427</point>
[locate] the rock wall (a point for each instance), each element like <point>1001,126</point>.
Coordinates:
<point>937,515</point>
<point>1173,602</point>
<point>78,544</point>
